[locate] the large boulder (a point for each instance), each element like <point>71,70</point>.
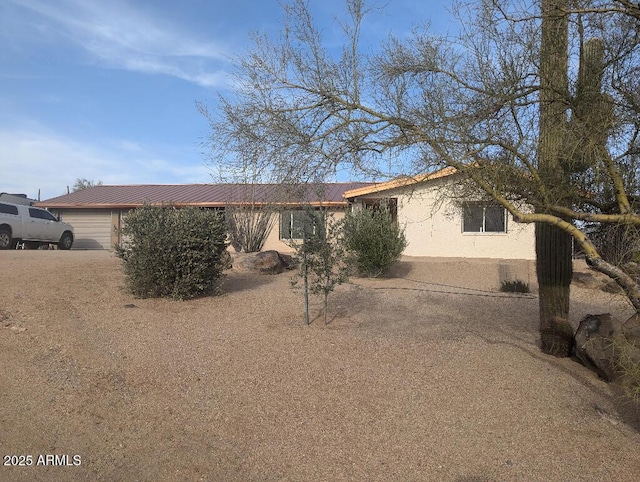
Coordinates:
<point>595,343</point>
<point>268,262</point>
<point>631,330</point>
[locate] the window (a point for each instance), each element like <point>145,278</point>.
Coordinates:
<point>484,218</point>
<point>293,223</point>
<point>41,214</point>
<point>390,203</point>
<point>8,209</point>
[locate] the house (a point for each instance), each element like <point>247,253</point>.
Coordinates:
<point>98,213</point>
<point>439,225</point>
<point>436,224</point>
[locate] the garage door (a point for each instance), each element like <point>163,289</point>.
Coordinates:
<point>92,228</point>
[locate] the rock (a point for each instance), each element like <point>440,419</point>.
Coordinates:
<point>226,260</point>
<point>631,330</point>
<point>594,344</point>
<point>268,262</point>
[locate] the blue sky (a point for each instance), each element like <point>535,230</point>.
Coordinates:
<point>107,90</point>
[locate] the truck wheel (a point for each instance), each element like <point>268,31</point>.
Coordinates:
<point>66,241</point>
<point>5,238</point>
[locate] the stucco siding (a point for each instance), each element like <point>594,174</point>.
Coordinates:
<point>273,240</point>
<point>433,227</point>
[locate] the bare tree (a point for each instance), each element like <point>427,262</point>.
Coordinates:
<point>81,184</point>
<point>483,102</point>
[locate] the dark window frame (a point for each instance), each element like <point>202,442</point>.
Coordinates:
<point>480,218</point>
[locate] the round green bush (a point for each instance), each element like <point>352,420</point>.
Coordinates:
<point>374,241</point>
<point>176,253</point>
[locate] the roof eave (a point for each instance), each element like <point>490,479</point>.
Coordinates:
<point>398,183</point>
<point>185,204</point>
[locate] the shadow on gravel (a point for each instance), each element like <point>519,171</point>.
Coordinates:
<point>627,408</point>
<point>236,282</point>
<point>400,270</point>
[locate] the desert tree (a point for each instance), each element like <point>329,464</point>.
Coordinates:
<point>83,183</point>
<point>519,119</point>
<point>322,259</point>
<point>251,211</point>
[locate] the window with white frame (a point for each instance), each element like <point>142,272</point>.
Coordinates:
<point>484,218</point>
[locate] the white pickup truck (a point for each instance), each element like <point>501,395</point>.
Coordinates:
<point>33,227</point>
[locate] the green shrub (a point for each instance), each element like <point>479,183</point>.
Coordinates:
<point>516,286</point>
<point>177,253</point>
<point>374,241</point>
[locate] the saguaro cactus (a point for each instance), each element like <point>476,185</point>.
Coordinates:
<point>592,115</point>
<point>553,246</point>
<point>565,147</point>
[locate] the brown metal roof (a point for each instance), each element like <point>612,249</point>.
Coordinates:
<point>205,195</point>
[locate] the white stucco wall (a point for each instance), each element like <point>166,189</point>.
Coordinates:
<point>433,227</point>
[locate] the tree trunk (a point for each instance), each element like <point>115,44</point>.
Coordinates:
<point>326,306</point>
<point>305,279</point>
<point>553,247</point>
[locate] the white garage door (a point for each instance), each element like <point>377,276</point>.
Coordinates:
<point>92,228</point>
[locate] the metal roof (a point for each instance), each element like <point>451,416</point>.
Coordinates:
<point>204,195</point>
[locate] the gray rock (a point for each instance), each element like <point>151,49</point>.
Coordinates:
<point>594,346</point>
<point>268,262</point>
<point>631,330</point>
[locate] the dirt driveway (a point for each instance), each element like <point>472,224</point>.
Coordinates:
<point>414,379</point>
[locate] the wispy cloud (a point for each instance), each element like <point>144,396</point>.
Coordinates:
<point>118,35</point>
<point>41,160</point>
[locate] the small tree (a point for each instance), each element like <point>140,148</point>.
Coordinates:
<point>177,253</point>
<point>322,258</point>
<point>373,240</point>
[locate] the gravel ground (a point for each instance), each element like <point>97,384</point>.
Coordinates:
<point>435,376</point>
